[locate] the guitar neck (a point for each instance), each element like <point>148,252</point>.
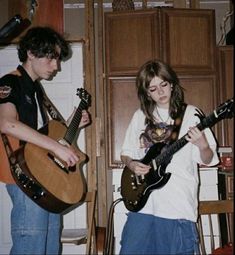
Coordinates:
<point>208,121</point>
<point>73,126</point>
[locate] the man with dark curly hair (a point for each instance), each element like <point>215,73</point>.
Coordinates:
<point>34,230</point>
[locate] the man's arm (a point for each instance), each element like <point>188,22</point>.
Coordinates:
<point>11,126</point>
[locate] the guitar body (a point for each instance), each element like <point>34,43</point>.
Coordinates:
<point>51,186</point>
<point>135,190</point>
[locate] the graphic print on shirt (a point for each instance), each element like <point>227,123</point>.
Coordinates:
<point>28,99</point>
<point>155,133</point>
<point>5,92</point>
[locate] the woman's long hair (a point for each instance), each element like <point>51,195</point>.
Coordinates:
<point>146,73</point>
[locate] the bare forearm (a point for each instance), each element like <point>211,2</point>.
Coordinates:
<point>126,160</point>
<point>22,132</point>
<point>199,139</point>
<point>206,154</point>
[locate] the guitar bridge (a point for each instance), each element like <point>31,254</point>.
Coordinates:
<point>59,163</point>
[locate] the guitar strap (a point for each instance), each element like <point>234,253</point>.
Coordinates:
<point>45,105</point>
<point>51,109</point>
<point>8,149</point>
<point>177,124</point>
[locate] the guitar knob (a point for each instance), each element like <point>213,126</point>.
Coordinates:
<point>133,186</point>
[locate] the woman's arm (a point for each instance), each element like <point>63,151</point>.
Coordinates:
<point>136,166</point>
<point>198,138</point>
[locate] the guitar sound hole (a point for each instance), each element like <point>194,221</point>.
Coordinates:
<point>58,163</point>
<point>72,168</point>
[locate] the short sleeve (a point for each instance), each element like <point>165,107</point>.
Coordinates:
<point>131,145</point>
<point>9,91</point>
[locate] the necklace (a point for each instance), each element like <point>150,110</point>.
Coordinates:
<point>165,121</point>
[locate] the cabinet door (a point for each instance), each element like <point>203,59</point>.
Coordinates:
<point>131,39</point>
<point>226,91</point>
<point>201,92</point>
<point>189,40</point>
<point>122,103</point>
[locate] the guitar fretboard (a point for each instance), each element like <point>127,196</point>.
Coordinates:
<point>208,121</point>
<point>73,126</point>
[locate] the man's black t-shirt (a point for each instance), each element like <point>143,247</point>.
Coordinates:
<point>19,89</point>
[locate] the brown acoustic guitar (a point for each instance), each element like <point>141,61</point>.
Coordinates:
<point>46,179</point>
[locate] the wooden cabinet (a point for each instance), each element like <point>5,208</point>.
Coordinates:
<point>122,103</point>
<point>183,38</point>
<point>225,61</point>
<point>131,39</point>
<point>200,90</point>
<point>226,91</point>
<point>188,40</point>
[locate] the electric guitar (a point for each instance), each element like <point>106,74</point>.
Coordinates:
<point>135,190</point>
<point>46,179</point>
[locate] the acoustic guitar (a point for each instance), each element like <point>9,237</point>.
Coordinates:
<point>46,179</point>
<point>135,190</point>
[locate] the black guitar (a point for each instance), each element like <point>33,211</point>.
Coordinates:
<point>135,190</point>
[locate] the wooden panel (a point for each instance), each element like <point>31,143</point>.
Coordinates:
<point>201,92</point>
<point>226,91</point>
<point>131,39</point>
<point>47,13</point>
<point>230,189</point>
<point>226,191</point>
<point>189,40</point>
<point>122,103</point>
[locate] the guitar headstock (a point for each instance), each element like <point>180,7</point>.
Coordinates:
<point>84,96</point>
<point>225,110</point>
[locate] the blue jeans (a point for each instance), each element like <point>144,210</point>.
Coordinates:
<point>148,234</point>
<point>34,231</point>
